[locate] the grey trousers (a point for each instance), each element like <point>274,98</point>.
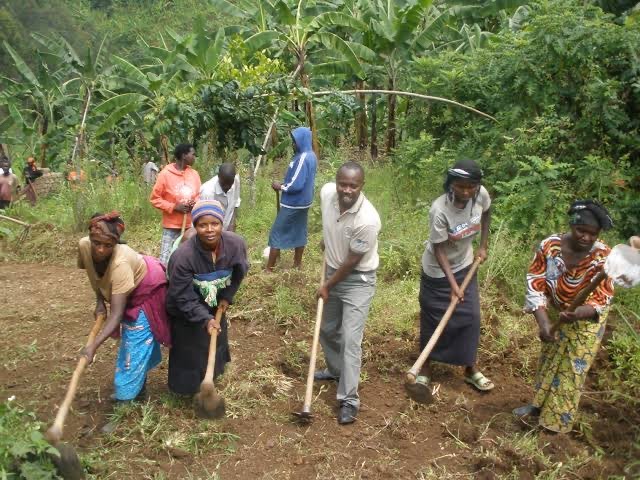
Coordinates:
<point>343,319</point>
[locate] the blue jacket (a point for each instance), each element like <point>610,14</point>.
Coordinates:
<point>299,181</point>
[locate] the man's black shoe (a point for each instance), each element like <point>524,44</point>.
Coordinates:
<point>347,414</point>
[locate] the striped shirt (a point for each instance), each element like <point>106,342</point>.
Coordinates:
<point>549,278</point>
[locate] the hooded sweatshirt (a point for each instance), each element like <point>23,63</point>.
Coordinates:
<point>298,185</point>
<point>174,186</point>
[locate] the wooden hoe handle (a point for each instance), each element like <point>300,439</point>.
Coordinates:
<point>314,346</point>
<point>184,223</point>
<point>582,295</point>
<point>413,373</point>
<point>277,200</point>
<point>58,423</point>
<point>211,359</point>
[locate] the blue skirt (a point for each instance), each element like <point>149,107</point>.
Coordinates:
<point>139,352</point>
<point>290,228</point>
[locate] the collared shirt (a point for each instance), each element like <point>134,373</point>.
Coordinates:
<point>355,230</point>
<point>230,200</point>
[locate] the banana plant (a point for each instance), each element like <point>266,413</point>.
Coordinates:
<point>196,55</point>
<point>86,75</point>
<point>35,102</point>
<point>393,26</point>
<point>302,31</point>
<point>149,97</point>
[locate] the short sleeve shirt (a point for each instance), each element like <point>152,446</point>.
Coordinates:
<point>125,271</point>
<point>355,230</point>
<point>457,227</point>
<point>230,200</point>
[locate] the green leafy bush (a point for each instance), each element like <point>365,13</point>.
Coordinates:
<point>624,349</point>
<point>564,89</point>
<point>24,453</point>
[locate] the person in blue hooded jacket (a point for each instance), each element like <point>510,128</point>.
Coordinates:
<point>290,227</point>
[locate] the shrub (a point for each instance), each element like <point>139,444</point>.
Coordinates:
<point>24,453</point>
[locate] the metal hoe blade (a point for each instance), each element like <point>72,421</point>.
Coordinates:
<point>303,417</point>
<point>419,392</point>
<point>68,464</point>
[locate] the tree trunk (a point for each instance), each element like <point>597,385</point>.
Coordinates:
<point>311,118</point>
<point>164,146</point>
<point>308,106</point>
<point>273,140</point>
<point>406,120</point>
<point>361,118</point>
<point>374,128</point>
<point>80,143</point>
<point>4,150</point>
<point>391,119</point>
<point>43,146</point>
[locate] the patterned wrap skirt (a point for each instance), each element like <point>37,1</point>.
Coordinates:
<point>562,370</point>
<point>139,352</point>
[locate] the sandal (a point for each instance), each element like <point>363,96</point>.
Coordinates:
<point>479,381</point>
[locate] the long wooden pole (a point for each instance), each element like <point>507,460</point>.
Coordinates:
<point>370,91</point>
<point>14,220</point>
<point>407,94</point>
<point>412,374</point>
<point>308,395</point>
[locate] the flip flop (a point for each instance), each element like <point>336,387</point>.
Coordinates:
<point>479,381</point>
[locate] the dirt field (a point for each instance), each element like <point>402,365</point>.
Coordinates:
<point>46,315</point>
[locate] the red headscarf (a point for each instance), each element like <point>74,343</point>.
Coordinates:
<point>110,224</point>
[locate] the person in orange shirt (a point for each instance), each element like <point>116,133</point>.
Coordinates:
<point>174,193</point>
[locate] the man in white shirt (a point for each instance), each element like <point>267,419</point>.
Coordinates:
<point>350,226</point>
<point>150,173</point>
<point>225,188</point>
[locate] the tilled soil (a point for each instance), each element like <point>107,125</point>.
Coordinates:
<point>46,315</point>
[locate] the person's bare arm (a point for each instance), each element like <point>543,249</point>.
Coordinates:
<point>117,304</point>
<point>485,223</point>
<point>583,312</point>
<point>544,324</point>
<point>101,308</point>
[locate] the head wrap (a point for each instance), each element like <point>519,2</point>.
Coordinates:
<point>109,224</point>
<point>589,212</point>
<point>466,169</point>
<point>207,207</point>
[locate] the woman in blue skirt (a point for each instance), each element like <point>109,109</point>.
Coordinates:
<point>289,231</point>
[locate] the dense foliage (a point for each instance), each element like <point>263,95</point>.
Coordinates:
<point>565,87</point>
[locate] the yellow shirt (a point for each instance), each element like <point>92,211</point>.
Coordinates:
<point>124,273</point>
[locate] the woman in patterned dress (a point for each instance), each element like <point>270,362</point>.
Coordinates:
<point>562,266</point>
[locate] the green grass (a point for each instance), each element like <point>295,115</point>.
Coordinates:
<point>285,302</point>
